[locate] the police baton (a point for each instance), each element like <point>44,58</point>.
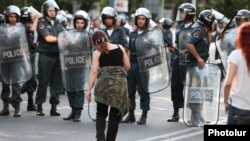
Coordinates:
<point>228,24</point>
<point>222,33</point>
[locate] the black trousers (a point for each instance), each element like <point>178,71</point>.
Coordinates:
<point>49,73</point>
<point>76,99</point>
<point>134,83</point>
<point>177,85</point>
<point>113,122</point>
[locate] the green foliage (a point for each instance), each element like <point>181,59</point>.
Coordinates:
<point>228,7</point>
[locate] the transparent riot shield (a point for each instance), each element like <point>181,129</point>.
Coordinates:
<point>226,45</point>
<point>152,61</point>
<point>75,58</point>
<point>184,36</point>
<point>15,57</point>
<point>202,95</point>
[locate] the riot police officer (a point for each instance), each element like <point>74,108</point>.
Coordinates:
<point>198,48</point>
<point>30,24</point>
<point>227,43</point>
<point>185,18</point>
<point>95,24</point>
<point>12,15</point>
<point>242,16</point>
<point>142,19</point>
<point>115,34</point>
<point>120,22</point>
<point>166,24</point>
<point>49,70</point>
<point>77,75</point>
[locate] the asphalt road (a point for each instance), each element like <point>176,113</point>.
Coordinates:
<point>29,127</point>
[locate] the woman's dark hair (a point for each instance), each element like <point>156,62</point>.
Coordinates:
<point>100,40</point>
<point>243,42</point>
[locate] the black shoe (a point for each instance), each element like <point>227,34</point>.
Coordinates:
<point>175,118</point>
<point>53,111</point>
<point>17,112</point>
<point>129,119</point>
<point>142,121</point>
<point>39,111</point>
<point>5,111</point>
<point>71,115</point>
<point>31,106</point>
<point>77,117</point>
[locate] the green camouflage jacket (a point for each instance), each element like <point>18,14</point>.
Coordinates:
<point>111,88</point>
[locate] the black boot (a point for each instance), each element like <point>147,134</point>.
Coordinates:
<point>143,118</point>
<point>39,111</point>
<point>5,111</point>
<point>17,112</point>
<point>77,117</point>
<point>53,110</point>
<point>175,117</point>
<point>71,115</point>
<point>31,106</point>
<point>130,118</point>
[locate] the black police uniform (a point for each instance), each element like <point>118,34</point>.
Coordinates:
<point>133,78</point>
<point>118,36</point>
<point>199,39</point>
<point>13,41</point>
<point>49,70</point>
<point>168,36</point>
<point>31,85</point>
<point>15,98</point>
<point>178,72</point>
<point>75,96</point>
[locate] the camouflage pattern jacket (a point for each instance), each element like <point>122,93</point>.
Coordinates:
<point>111,88</point>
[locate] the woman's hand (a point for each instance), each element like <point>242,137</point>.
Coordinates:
<point>88,96</point>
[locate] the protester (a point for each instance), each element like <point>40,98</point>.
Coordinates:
<point>111,86</point>
<point>236,85</point>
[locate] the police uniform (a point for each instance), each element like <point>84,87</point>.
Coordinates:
<point>168,37</point>
<point>15,98</point>
<point>49,70</point>
<point>178,72</point>
<point>133,78</point>
<point>118,36</point>
<point>76,79</point>
<point>199,39</point>
<point>31,85</point>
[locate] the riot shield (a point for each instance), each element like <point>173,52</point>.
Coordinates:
<point>75,58</point>
<point>15,57</point>
<point>184,36</point>
<point>226,45</point>
<point>202,95</point>
<point>152,60</point>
